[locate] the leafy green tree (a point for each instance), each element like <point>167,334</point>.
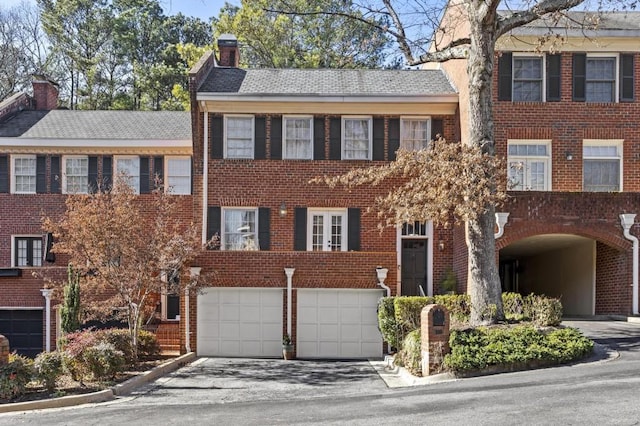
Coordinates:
<point>305,39</point>
<point>70,310</point>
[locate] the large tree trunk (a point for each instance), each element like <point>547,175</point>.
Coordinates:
<point>483,282</point>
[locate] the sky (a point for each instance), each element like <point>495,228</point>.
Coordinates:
<point>203,9</point>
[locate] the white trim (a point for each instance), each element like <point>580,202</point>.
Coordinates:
<point>253,135</point>
<point>616,75</point>
<point>223,212</point>
<point>167,186</point>
<point>426,118</point>
<point>327,213</point>
<point>63,171</point>
<point>13,249</point>
<point>618,143</point>
<point>369,119</point>
<point>116,172</point>
<point>547,159</point>
<point>428,236</point>
<point>521,55</point>
<point>284,135</point>
<point>12,172</point>
<point>293,98</point>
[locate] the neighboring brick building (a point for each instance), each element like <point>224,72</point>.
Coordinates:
<point>46,153</point>
<point>568,124</point>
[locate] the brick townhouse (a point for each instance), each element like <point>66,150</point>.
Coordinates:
<point>568,124</point>
<point>46,153</point>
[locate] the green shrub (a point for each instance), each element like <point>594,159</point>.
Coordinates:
<point>148,346</point>
<point>412,353</point>
<point>407,311</point>
<point>387,322</point>
<point>513,305</point>
<point>14,376</point>
<point>48,367</point>
<point>543,311</point>
<point>513,348</point>
<point>121,341</point>
<point>103,360</point>
<point>458,305</point>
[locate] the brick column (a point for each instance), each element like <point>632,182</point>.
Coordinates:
<point>4,350</point>
<point>434,334</point>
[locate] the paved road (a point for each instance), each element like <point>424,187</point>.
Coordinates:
<point>238,392</point>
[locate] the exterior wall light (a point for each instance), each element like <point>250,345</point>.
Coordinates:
<point>283,209</point>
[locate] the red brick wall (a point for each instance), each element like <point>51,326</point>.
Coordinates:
<point>45,95</point>
<point>613,281</point>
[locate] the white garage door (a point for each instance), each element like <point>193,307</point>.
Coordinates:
<point>244,322</point>
<point>338,324</point>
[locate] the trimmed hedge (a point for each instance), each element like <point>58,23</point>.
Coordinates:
<point>513,348</point>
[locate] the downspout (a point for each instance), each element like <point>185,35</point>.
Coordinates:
<point>195,273</point>
<point>205,176</point>
<point>382,275</point>
<point>46,293</point>
<point>289,273</point>
<point>501,220</point>
<point>627,220</point>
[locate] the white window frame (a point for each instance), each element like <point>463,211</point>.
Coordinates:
<point>168,188</point>
<point>253,134</point>
<point>415,118</point>
<point>369,119</point>
<point>616,75</point>
<point>118,158</point>
<point>619,144</point>
<point>524,55</point>
<point>285,142</point>
<point>223,234</point>
<point>13,173</point>
<point>327,215</point>
<point>14,250</point>
<point>64,173</point>
<point>525,158</point>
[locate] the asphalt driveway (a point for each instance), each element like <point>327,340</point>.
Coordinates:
<point>236,379</point>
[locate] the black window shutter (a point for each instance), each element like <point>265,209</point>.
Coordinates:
<point>300,229</point>
<point>394,137</point>
<point>554,77</point>
<point>378,139</point>
<point>260,140</point>
<point>505,76</point>
<point>579,76</point>
<point>626,78</point>
<point>145,175</point>
<point>4,174</point>
<point>353,229</point>
<point>276,138</point>
<point>158,171</point>
<point>55,176</point>
<point>217,137</point>
<point>41,174</point>
<point>214,218</point>
<point>93,174</point>
<point>264,231</point>
<point>107,172</point>
<point>437,128</point>
<point>335,140</point>
<point>48,244</point>
<point>318,138</point>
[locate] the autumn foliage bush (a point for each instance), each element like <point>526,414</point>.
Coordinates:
<point>14,376</point>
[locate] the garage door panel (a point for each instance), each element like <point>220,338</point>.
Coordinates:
<point>328,332</point>
<point>328,349</point>
<point>350,332</point>
<point>240,322</point>
<point>307,314</point>
<point>310,333</point>
<point>24,329</point>
<point>350,316</point>
<point>328,315</point>
<point>327,299</point>
<point>350,298</point>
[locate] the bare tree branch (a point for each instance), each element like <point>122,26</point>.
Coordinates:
<point>401,37</point>
<point>524,17</point>
<point>457,51</point>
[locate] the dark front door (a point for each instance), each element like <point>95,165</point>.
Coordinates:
<point>173,306</point>
<point>414,267</point>
<point>23,328</point>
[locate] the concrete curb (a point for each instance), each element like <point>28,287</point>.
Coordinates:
<point>106,394</point>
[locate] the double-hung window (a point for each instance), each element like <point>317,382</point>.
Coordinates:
<point>239,136</point>
<point>528,78</point>
<point>327,230</point>
<point>528,165</point>
<point>602,165</point>
<point>298,138</point>
<point>415,133</point>
<point>128,169</point>
<point>356,138</point>
<point>600,79</point>
<point>240,229</point>
<point>75,179</point>
<point>178,173</point>
<point>24,174</point>
<point>28,251</point>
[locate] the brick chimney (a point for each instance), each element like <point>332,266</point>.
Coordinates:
<point>229,52</point>
<point>45,93</point>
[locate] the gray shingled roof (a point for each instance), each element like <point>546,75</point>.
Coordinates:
<point>326,82</point>
<point>67,124</point>
<point>627,22</point>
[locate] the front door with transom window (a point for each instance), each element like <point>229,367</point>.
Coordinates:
<point>414,267</point>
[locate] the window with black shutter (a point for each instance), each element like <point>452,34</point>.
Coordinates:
<point>4,174</point>
<point>378,139</point>
<point>264,228</point>
<point>318,138</point>
<point>217,137</point>
<point>554,77</point>
<point>579,66</point>
<point>627,78</point>
<point>276,138</point>
<point>41,174</point>
<point>93,175</point>
<point>394,137</point>
<point>300,229</point>
<point>505,65</point>
<point>55,175</point>
<point>158,171</point>
<point>107,172</point>
<point>260,139</point>
<point>214,218</point>
<point>335,141</point>
<point>145,175</point>
<point>354,229</point>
